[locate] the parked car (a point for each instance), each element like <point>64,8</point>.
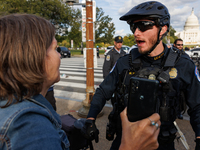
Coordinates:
<point>124,47</point>
<point>64,51</point>
<point>193,52</point>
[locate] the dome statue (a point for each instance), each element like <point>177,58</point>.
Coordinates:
<point>192,22</point>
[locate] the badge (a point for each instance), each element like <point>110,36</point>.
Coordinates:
<point>173,73</point>
<point>131,73</point>
<point>108,57</point>
<point>152,77</point>
<point>197,74</point>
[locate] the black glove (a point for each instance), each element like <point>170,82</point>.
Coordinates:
<point>197,144</point>
<point>90,130</point>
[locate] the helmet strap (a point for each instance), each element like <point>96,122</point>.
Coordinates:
<point>158,41</point>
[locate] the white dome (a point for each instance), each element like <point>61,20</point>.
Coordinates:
<point>192,22</point>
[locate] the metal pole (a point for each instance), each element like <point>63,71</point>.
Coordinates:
<point>89,53</point>
<point>89,61</point>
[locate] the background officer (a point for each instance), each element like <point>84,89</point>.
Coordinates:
<point>177,73</point>
<point>178,43</point>
<point>98,52</point>
<point>113,55</point>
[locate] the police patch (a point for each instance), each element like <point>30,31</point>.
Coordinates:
<point>197,73</point>
<point>173,73</point>
<point>108,57</point>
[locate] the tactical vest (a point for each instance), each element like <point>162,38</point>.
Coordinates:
<point>169,102</point>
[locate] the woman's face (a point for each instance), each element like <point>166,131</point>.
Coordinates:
<point>52,64</point>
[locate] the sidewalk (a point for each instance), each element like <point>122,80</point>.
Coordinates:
<point>71,107</point>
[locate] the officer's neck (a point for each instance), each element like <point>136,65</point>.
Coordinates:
<point>117,49</point>
<point>158,50</point>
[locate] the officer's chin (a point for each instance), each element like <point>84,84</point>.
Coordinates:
<point>144,52</point>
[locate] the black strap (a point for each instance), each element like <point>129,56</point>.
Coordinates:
<point>171,58</point>
<point>90,144</point>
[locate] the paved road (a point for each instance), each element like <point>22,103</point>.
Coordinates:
<point>73,78</point>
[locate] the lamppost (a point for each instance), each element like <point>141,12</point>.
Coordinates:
<point>89,57</point>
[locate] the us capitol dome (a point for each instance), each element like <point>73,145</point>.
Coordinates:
<point>191,33</point>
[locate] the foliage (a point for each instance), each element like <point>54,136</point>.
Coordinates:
<point>75,33</point>
<point>53,10</point>
<point>64,43</point>
<point>99,44</point>
<point>104,28</point>
<point>129,40</point>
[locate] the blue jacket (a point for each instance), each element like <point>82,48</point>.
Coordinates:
<point>30,125</point>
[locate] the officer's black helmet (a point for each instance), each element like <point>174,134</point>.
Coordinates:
<point>150,9</point>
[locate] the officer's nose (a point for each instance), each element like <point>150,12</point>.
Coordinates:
<point>137,32</point>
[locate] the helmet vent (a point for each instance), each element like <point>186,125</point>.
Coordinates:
<point>160,7</point>
<point>149,7</point>
<point>152,3</point>
<point>139,6</point>
<point>144,6</point>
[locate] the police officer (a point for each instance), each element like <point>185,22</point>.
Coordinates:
<point>98,52</point>
<point>179,81</point>
<point>178,43</point>
<point>113,55</point>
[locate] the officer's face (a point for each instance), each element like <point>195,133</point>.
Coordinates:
<point>145,37</point>
<point>179,45</point>
<point>117,45</point>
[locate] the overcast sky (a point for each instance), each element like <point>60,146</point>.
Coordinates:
<point>178,9</point>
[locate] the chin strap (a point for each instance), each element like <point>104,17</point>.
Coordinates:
<point>158,41</point>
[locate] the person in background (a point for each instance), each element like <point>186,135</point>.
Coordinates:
<point>50,97</point>
<point>98,52</point>
<point>113,55</point>
<point>178,43</point>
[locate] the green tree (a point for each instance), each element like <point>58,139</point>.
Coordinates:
<point>75,32</point>
<point>54,10</point>
<point>104,28</point>
<point>129,40</point>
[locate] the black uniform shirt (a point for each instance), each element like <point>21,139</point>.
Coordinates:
<point>110,59</point>
<point>184,77</point>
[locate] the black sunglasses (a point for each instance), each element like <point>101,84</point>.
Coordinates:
<point>179,44</point>
<point>142,26</point>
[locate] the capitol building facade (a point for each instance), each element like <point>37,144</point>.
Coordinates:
<point>191,33</point>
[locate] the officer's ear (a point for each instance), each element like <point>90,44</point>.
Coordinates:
<point>163,30</point>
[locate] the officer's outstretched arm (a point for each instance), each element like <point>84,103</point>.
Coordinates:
<point>139,135</point>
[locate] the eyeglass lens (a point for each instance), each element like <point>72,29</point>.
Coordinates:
<point>142,26</point>
<point>179,44</point>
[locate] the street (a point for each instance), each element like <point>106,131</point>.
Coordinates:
<point>73,78</point>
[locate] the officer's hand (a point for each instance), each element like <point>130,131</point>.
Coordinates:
<point>197,144</point>
<point>91,131</point>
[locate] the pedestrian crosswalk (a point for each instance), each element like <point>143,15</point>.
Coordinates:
<point>72,84</point>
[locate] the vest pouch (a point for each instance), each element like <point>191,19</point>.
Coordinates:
<point>165,113</point>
